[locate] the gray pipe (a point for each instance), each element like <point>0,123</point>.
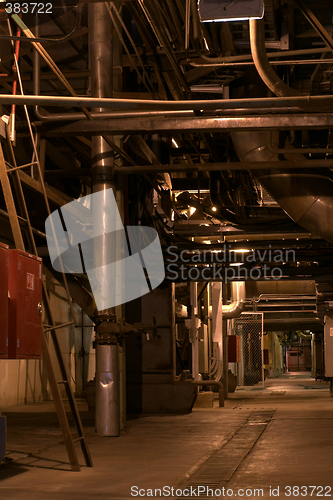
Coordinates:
<point>107,418</point>
<point>301,103</point>
<point>107,390</point>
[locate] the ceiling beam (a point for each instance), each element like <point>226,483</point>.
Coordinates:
<point>169,126</point>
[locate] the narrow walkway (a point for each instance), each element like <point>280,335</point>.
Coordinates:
<point>264,441</point>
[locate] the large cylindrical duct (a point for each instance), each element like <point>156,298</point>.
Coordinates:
<point>305,194</point>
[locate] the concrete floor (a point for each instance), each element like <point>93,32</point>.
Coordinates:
<point>267,438</point>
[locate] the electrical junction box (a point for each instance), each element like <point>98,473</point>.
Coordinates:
<point>25,306</point>
<point>3,300</point>
<point>328,346</point>
<point>234,349</point>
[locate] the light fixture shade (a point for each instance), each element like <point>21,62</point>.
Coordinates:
<point>230,10</point>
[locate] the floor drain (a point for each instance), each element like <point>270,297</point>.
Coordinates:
<point>221,466</point>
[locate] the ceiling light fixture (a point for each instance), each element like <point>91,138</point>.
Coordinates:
<point>230,10</point>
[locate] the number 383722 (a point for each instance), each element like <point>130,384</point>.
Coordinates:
<point>28,8</point>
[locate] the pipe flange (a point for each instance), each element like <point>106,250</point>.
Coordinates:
<point>111,339</point>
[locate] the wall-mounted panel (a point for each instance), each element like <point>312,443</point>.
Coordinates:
<point>25,321</point>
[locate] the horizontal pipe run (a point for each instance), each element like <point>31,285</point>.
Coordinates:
<point>205,167</point>
<point>170,126</point>
<point>70,117</point>
<point>142,104</point>
<point>285,62</point>
<point>298,151</point>
<point>59,117</point>
<point>208,62</point>
<point>217,384</point>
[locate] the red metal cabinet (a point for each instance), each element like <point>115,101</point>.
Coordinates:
<point>234,349</point>
<point>25,321</point>
<point>3,301</point>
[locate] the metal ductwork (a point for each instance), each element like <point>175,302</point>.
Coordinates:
<point>306,194</point>
<point>261,61</point>
<point>238,299</point>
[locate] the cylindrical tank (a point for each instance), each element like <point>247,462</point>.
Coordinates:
<point>107,390</point>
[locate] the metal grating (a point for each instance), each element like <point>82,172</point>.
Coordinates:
<point>217,471</point>
<point>249,326</point>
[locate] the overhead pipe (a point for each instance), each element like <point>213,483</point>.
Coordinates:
<point>261,61</point>
<point>222,201</point>
<point>238,299</point>
<point>243,59</point>
<point>301,103</point>
<point>230,311</point>
<point>305,195</point>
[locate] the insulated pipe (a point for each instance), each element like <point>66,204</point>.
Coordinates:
<point>238,298</point>
<point>305,195</point>
<point>107,390</point>
<point>229,311</point>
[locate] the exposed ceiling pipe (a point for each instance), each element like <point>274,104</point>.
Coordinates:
<point>306,196</point>
<point>261,61</point>
<point>300,103</point>
<point>238,299</point>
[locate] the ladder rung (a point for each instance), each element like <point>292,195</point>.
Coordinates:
<point>62,381</point>
<point>77,439</point>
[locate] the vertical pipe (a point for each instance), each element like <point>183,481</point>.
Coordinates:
<point>225,344</point>
<point>101,66</point>
<point>107,364</point>
<point>173,332</point>
<point>194,330</point>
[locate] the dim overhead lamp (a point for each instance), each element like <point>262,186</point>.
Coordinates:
<point>230,10</point>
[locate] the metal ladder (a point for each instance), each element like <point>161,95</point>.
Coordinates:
<point>54,383</point>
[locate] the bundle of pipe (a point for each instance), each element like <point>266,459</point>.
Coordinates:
<point>305,194</point>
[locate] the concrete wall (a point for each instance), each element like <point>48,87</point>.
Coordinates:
<point>21,382</point>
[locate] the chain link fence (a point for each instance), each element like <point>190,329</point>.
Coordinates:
<point>249,327</point>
